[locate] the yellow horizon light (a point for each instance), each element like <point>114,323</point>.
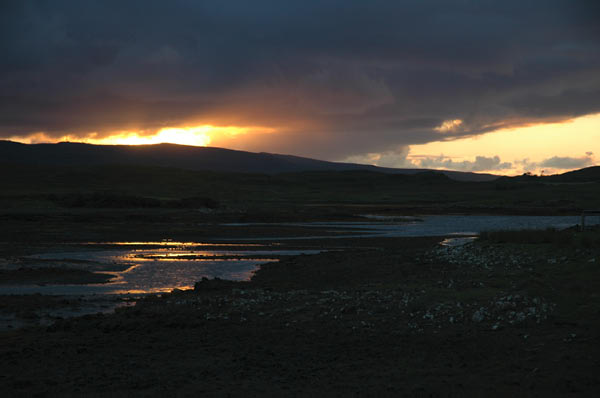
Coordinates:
<point>201,135</point>
<point>533,142</point>
<point>195,136</point>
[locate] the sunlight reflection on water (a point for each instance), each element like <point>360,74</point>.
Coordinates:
<point>146,267</point>
<point>155,270</point>
<point>168,242</point>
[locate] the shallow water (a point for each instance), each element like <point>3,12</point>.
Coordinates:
<point>151,267</point>
<point>445,225</point>
<point>471,225</point>
<point>153,277</point>
<point>169,242</point>
<point>156,270</point>
<point>458,241</point>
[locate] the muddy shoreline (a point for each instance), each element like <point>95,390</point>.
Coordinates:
<point>385,317</point>
<point>50,275</point>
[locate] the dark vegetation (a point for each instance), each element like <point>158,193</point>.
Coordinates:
<point>569,238</point>
<point>170,176</point>
<point>120,186</point>
<point>185,157</point>
<point>109,200</point>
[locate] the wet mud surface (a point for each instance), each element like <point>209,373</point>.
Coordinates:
<point>50,275</point>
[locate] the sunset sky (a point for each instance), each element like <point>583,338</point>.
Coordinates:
<point>472,85</point>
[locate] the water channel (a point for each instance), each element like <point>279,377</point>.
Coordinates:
<point>153,267</point>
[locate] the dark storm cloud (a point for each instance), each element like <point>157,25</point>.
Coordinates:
<point>338,77</point>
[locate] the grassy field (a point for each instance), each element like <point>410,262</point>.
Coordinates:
<point>137,186</point>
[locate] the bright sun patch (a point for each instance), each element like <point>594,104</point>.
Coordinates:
<point>197,136</point>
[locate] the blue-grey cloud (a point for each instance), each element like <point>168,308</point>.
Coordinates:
<point>481,163</point>
<point>342,77</point>
<point>559,162</point>
<point>399,158</point>
<point>566,162</point>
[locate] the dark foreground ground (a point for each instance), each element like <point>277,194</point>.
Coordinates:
<point>384,317</point>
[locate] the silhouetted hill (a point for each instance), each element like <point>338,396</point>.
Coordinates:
<point>189,158</point>
<point>589,174</point>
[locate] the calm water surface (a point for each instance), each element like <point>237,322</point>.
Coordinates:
<point>424,226</point>
<point>155,270</point>
<point>151,267</point>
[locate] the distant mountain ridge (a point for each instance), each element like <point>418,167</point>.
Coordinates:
<point>190,158</point>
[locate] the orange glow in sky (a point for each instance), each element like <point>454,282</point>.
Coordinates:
<point>578,138</point>
<point>518,149</point>
<point>201,135</point>
<point>197,136</point>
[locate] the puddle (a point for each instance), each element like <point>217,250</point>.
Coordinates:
<point>461,241</point>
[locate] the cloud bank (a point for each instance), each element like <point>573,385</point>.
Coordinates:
<point>481,163</point>
<point>559,163</point>
<point>334,78</point>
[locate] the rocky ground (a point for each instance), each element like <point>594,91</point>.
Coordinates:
<point>383,317</point>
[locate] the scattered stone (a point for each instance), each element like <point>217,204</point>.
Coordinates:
<point>479,315</point>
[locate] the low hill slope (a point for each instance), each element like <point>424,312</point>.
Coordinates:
<point>189,158</point>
